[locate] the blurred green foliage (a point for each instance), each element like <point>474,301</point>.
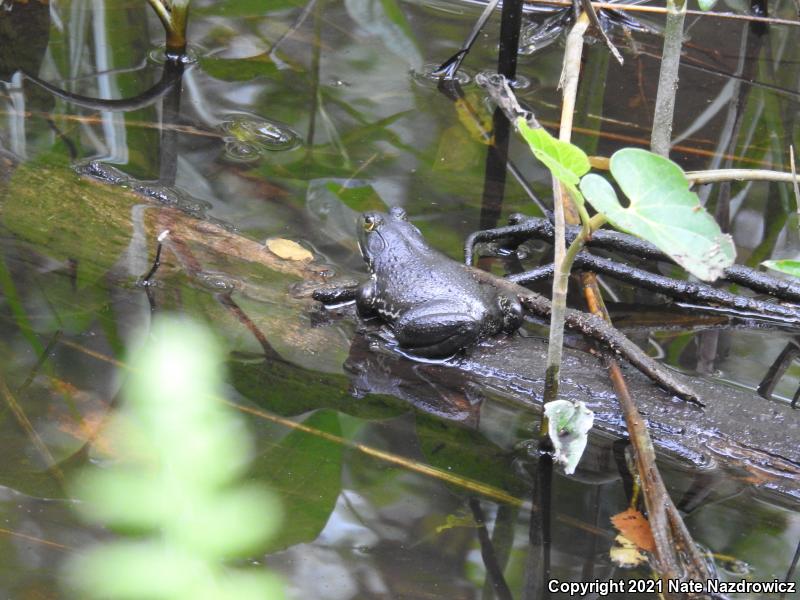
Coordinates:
<point>175,487</point>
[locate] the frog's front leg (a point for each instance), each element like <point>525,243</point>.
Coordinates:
<point>367,299</point>
<point>331,296</point>
<point>436,329</point>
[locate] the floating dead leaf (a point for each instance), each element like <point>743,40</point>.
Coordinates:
<point>625,554</point>
<point>632,524</point>
<point>288,250</point>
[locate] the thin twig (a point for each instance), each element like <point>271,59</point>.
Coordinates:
<point>663,113</point>
<point>168,80</point>
<point>493,569</point>
<point>587,6</point>
<point>795,184</point>
<point>662,10</point>
<point>718,175</point>
<point>24,422</point>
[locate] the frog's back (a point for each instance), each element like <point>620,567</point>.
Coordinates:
<point>412,278</point>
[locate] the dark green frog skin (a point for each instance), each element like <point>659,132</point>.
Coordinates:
<point>434,305</point>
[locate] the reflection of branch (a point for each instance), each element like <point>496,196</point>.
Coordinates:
<point>540,537</point>
<point>24,422</point>
<point>449,68</point>
<point>294,27</point>
<point>499,585</point>
<point>173,71</point>
<point>793,566</point>
<point>228,302</point>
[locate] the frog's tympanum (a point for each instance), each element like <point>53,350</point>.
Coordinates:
<point>435,305</point>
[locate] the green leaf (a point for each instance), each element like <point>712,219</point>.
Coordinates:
<point>792,267</point>
<point>240,69</point>
<point>466,453</point>
<point>662,211</point>
<point>706,4</point>
<point>359,198</point>
<point>568,426</point>
<point>304,470</point>
<point>244,8</point>
<point>566,162</point>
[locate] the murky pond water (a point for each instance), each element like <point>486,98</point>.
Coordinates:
<point>292,120</point>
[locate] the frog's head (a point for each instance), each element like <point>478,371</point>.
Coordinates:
<point>383,235</point>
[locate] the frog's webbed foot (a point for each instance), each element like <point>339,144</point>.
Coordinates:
<point>428,333</point>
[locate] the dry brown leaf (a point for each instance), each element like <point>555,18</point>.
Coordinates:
<point>288,250</point>
<point>632,524</point>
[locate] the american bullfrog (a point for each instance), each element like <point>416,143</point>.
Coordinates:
<point>434,305</point>
<point>437,306</point>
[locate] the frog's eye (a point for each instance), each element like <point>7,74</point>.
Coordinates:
<point>398,213</point>
<point>370,222</point>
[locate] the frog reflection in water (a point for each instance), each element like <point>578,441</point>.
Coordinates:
<point>435,305</point>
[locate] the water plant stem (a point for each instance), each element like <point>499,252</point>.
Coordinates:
<point>562,204</point>
<point>174,15</point>
<point>676,555</point>
<point>661,137</point>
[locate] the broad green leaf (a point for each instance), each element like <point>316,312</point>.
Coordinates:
<point>792,267</point>
<point>662,211</point>
<point>568,427</point>
<point>240,69</point>
<point>267,385</point>
<point>359,197</point>
<point>304,470</point>
<point>466,453</point>
<point>566,162</point>
<point>706,4</point>
<point>244,8</point>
